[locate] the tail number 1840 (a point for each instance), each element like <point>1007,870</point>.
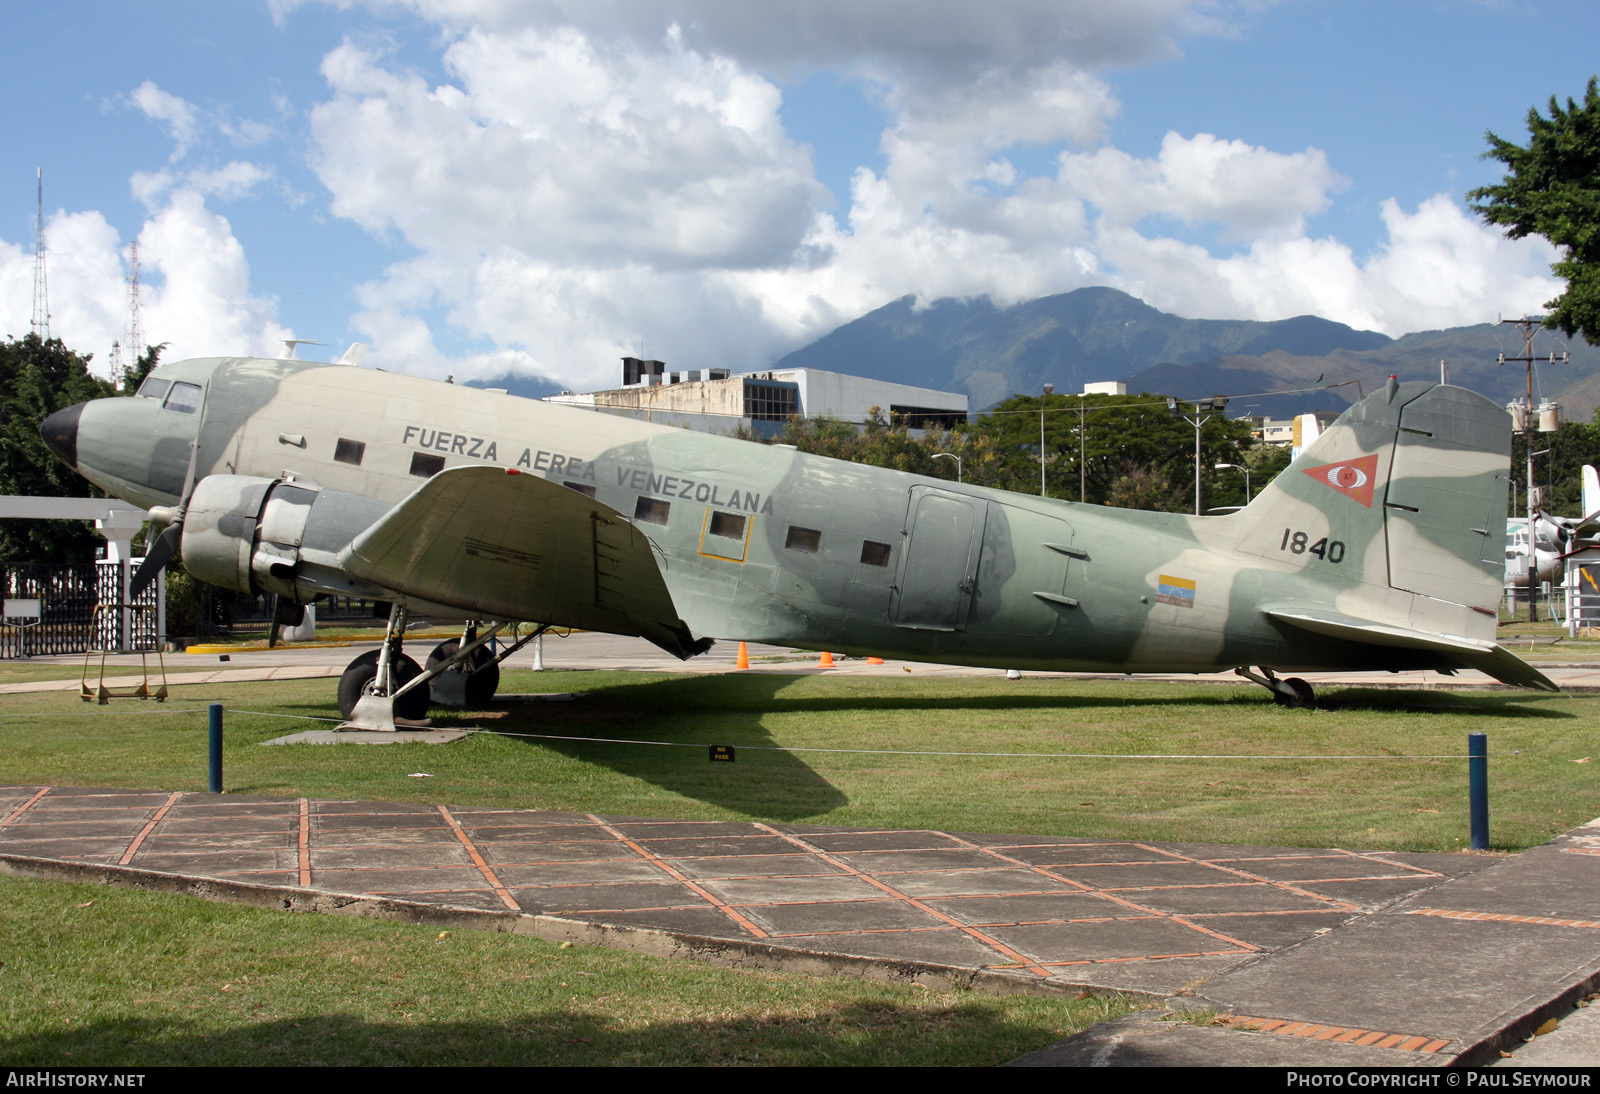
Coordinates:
<point>1298,543</point>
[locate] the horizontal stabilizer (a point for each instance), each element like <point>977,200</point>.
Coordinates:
<point>1489,658</point>
<point>514,546</point>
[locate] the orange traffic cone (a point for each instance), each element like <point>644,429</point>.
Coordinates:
<point>874,660</point>
<point>826,661</point>
<point>744,657</point>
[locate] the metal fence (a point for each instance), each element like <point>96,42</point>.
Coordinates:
<point>68,595</point>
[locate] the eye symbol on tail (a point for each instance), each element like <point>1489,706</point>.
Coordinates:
<point>1352,478</point>
<point>1346,477</point>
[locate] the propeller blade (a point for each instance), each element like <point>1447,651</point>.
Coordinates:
<point>155,560</point>
<point>188,478</point>
<point>161,551</point>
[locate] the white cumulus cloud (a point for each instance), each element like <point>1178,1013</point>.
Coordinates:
<point>1249,191</point>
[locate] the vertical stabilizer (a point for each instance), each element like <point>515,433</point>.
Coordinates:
<point>1406,491</point>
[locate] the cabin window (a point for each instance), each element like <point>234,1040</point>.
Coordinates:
<point>425,466</point>
<point>184,398</point>
<point>806,540</point>
<point>652,510</point>
<point>348,451</point>
<point>727,525</point>
<point>154,388</point>
<point>581,487</point>
<point>874,554</point>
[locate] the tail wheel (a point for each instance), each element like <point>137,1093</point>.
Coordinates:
<point>1302,698</point>
<point>363,670</point>
<point>484,676</point>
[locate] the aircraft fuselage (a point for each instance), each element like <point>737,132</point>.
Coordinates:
<point>769,544</point>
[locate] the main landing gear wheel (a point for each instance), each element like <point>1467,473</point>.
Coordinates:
<point>412,706</point>
<point>1302,698</point>
<point>483,679</point>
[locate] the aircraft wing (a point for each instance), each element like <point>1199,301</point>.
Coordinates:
<point>1487,657</point>
<point>514,546</point>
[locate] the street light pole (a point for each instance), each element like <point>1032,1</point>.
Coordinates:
<point>1238,467</point>
<point>1048,388</point>
<point>950,456</point>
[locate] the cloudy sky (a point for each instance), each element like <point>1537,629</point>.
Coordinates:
<point>479,187</point>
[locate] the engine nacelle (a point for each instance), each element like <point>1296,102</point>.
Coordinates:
<point>279,536</point>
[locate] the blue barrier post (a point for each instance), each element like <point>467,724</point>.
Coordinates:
<point>1478,789</point>
<point>216,748</point>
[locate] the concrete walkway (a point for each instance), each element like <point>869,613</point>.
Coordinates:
<point>1314,957</point>
<point>585,650</point>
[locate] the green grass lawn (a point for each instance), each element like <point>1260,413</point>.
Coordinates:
<point>108,977</point>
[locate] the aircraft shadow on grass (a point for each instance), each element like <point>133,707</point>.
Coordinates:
<point>680,717</point>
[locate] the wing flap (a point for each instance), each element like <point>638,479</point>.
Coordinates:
<point>506,545</point>
<point>1487,657</point>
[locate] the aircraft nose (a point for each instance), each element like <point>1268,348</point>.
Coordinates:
<point>60,433</point>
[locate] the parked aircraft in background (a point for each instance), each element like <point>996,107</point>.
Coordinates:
<point>1381,547</point>
<point>1537,552</point>
<point>1552,537</point>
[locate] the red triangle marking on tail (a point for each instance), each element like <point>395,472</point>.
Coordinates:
<point>1352,478</point>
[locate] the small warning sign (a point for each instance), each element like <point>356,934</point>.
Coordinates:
<point>722,754</point>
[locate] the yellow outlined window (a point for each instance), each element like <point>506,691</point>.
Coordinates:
<point>726,535</point>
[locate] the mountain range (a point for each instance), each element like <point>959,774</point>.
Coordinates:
<point>1274,368</point>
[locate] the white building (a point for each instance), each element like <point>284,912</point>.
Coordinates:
<point>713,401</point>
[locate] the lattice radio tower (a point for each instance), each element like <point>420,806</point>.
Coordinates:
<point>135,335</point>
<point>41,283</point>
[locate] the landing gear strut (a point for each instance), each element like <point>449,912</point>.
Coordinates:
<point>1292,692</point>
<point>383,685</point>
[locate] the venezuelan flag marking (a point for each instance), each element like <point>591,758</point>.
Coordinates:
<point>1178,591</point>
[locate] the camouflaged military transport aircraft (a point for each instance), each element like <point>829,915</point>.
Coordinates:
<point>1381,547</point>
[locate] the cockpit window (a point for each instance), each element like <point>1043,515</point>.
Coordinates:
<point>153,387</point>
<point>184,398</point>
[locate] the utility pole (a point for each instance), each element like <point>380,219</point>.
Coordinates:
<point>1207,408</point>
<point>1083,489</point>
<point>1530,426</point>
<point>1048,388</point>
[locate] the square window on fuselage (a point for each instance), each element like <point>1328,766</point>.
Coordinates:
<point>874,554</point>
<point>727,525</point>
<point>425,466</point>
<point>805,540</point>
<point>652,510</point>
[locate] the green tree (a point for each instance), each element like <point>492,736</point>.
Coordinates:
<point>133,375</point>
<point>1125,437</point>
<point>38,378</point>
<point>877,442</point>
<point>1552,189</point>
<point>1137,454</point>
<point>1559,470</point>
